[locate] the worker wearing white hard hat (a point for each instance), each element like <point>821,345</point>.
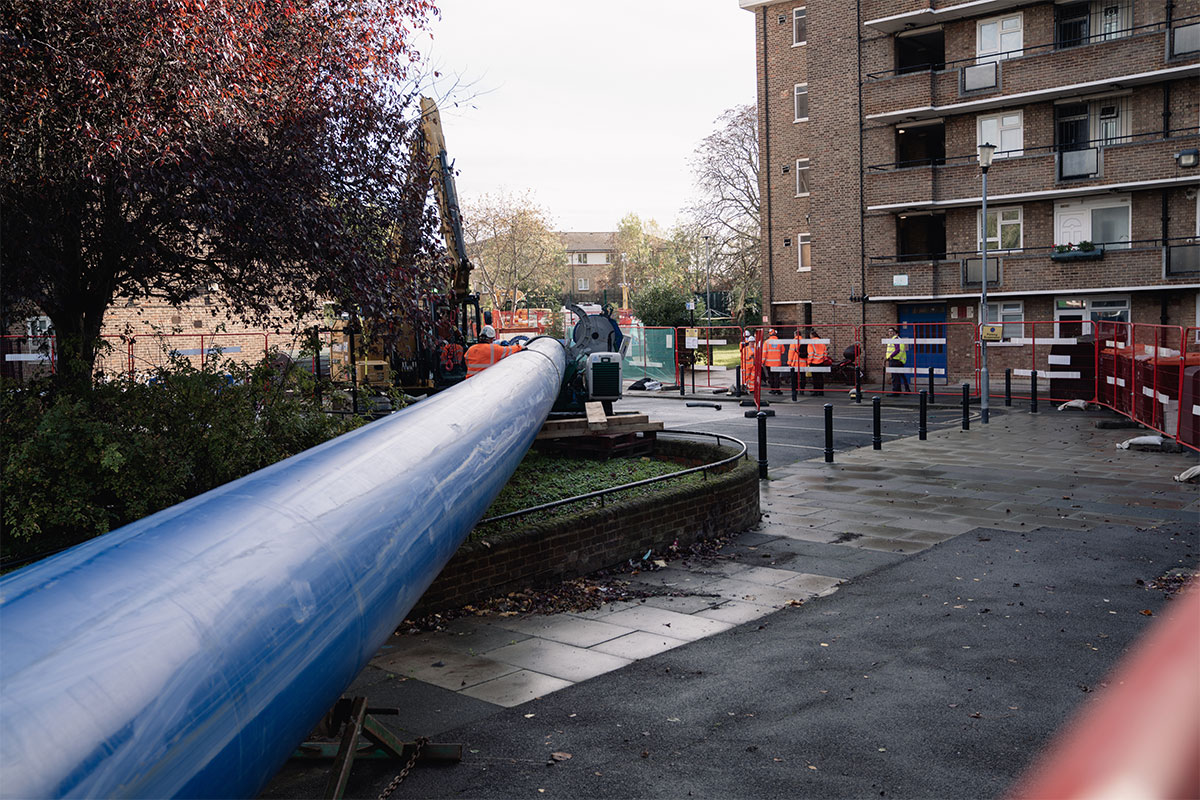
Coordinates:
<point>487,352</point>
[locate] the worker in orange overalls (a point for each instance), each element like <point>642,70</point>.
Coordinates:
<point>772,357</point>
<point>749,371</point>
<point>487,352</point>
<point>818,356</point>
<point>797,357</point>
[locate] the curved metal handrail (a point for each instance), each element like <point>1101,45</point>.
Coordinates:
<point>601,493</point>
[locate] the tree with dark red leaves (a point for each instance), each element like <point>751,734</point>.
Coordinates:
<point>154,148</point>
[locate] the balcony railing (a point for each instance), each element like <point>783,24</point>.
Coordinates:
<point>1185,41</point>
<point>1080,163</point>
<point>1182,260</point>
<point>1094,144</point>
<point>1185,257</point>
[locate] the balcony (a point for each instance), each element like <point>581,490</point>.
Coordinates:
<point>1032,269</point>
<point>1037,73</point>
<point>1132,161</point>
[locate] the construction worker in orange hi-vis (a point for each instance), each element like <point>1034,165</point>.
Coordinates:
<point>818,356</point>
<point>773,357</point>
<point>749,371</point>
<point>797,357</point>
<point>487,352</point>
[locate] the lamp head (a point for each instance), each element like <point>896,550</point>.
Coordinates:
<point>1187,159</point>
<point>986,151</point>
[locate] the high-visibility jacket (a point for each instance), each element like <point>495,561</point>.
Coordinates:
<point>794,358</point>
<point>896,351</point>
<point>818,355</point>
<point>772,352</point>
<point>749,373</point>
<point>481,356</point>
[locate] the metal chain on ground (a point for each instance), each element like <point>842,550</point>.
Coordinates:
<point>396,781</point>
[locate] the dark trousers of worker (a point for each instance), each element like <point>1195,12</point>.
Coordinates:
<point>772,378</point>
<point>898,378</point>
<point>818,379</point>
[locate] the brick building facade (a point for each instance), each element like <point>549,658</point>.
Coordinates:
<point>592,274</point>
<point>870,114</point>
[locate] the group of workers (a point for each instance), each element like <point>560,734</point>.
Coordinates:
<point>805,351</point>
<point>801,354</point>
<point>487,351</point>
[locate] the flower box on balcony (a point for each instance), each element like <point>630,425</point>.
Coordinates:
<point>1094,253</point>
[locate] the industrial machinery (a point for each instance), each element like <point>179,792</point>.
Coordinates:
<point>594,354</point>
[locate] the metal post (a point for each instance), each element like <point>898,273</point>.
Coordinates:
<point>984,381</point>
<point>795,383</point>
<point>857,384</point>
<point>932,393</point>
<point>829,433</point>
<point>876,427</point>
<point>707,284</point>
<point>693,375</point>
<point>682,379</point>
<point>1033,392</point>
<point>1007,387</point>
<point>762,444</point>
<point>966,404</point>
<point>737,381</point>
<point>922,424</point>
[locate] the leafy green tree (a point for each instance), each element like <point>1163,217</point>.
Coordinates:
<point>664,304</point>
<point>516,253</point>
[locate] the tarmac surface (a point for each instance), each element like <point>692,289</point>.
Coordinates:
<point>911,622</point>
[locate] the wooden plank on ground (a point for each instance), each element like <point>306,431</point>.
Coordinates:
<point>597,420</point>
<point>624,427</point>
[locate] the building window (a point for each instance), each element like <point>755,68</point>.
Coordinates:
<point>799,27</point>
<point>920,145</point>
<point>1003,229</point>
<point>583,284</point>
<point>1005,130</point>
<point>581,258</point>
<point>801,102</point>
<point>802,177</point>
<point>1010,314</point>
<point>804,251</point>
<point>1103,220</point>
<point>1096,21</point>
<point>1072,314</point>
<point>921,237</point>
<point>998,38</point>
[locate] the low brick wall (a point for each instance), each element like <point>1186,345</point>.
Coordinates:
<point>546,553</point>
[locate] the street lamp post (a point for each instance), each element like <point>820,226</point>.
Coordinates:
<point>707,283</point>
<point>985,161</point>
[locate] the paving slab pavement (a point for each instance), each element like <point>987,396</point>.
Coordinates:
<point>885,605</point>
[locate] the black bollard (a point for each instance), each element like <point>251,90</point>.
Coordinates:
<point>877,433</point>
<point>932,394</point>
<point>857,384</point>
<point>829,433</point>
<point>737,381</point>
<point>1033,392</point>
<point>762,444</point>
<point>923,419</point>
<point>795,383</point>
<point>1008,387</point>
<point>693,377</point>
<point>966,404</point>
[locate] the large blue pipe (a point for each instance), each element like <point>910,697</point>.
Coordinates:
<point>187,654</point>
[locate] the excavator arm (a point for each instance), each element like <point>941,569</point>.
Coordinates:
<point>447,198</point>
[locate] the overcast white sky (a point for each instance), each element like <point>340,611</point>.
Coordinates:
<point>594,106</point>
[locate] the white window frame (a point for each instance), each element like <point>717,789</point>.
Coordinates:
<point>998,211</point>
<point>1090,205</point>
<point>985,56</point>
<point>583,285</point>
<point>581,258</point>
<point>1096,122</point>
<point>1086,311</point>
<point>796,92</point>
<point>799,13</point>
<point>1000,129</point>
<point>803,167</point>
<point>804,248</point>
<point>998,313</point>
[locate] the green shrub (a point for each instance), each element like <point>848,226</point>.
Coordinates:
<point>75,467</point>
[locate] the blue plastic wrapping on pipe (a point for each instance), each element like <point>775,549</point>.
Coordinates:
<point>187,654</point>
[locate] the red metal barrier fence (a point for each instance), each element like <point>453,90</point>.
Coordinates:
<point>712,363</point>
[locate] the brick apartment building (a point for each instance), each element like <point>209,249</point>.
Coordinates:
<point>591,267</point>
<point>870,114</point>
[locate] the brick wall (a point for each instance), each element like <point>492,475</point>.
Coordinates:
<point>545,553</point>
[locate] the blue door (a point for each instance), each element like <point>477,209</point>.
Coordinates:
<point>925,322</point>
